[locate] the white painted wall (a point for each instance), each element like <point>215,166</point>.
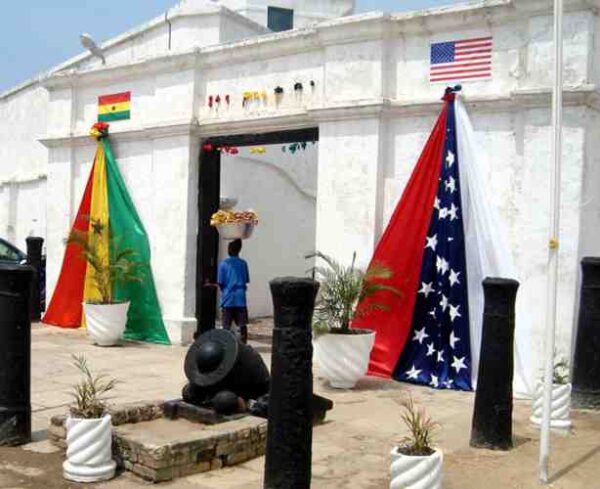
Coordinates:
<point>22,165</point>
<point>374,108</point>
<point>282,189</point>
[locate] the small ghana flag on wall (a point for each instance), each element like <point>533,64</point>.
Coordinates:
<point>114,107</point>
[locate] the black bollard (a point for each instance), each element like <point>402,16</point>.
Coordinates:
<point>289,435</point>
<point>15,354</point>
<point>34,258</point>
<point>492,415</point>
<point>586,365</point>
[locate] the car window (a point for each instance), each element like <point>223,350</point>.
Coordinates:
<point>7,253</point>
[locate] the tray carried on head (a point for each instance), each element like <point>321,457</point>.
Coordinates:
<point>236,230</point>
<point>232,224</point>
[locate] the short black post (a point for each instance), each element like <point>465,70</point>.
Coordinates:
<point>586,364</point>
<point>15,354</point>
<point>492,415</point>
<point>34,258</point>
<point>289,435</point>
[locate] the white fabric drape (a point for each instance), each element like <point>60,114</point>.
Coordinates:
<point>487,252</point>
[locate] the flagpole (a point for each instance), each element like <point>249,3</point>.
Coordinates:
<point>552,283</point>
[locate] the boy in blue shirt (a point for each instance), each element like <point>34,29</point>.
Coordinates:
<point>233,278</point>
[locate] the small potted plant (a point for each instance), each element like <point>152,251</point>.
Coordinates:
<point>416,464</point>
<point>105,318</point>
<point>89,429</point>
<point>343,352</point>
<point>561,399</point>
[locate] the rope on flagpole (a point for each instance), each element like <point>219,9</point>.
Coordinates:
<point>553,245</point>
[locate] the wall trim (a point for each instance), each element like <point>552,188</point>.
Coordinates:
<point>521,99</point>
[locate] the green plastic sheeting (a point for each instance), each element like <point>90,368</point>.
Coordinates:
<point>144,321</point>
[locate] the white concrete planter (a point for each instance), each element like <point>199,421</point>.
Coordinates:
<point>411,472</point>
<point>343,358</point>
<point>561,406</point>
<point>106,322</point>
<point>89,450</point>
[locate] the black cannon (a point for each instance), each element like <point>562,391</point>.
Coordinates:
<point>226,376</point>
<point>217,364</point>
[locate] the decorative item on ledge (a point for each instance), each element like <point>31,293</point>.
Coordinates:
<point>294,147</point>
<point>258,150</point>
<point>233,224</point>
<point>231,150</point>
<point>298,90</point>
<point>278,95</point>
<point>254,98</point>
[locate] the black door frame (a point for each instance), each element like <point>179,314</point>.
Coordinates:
<point>209,185</point>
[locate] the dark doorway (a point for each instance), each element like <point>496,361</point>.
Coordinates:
<point>209,184</point>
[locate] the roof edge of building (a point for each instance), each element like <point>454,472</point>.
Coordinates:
<point>169,15</point>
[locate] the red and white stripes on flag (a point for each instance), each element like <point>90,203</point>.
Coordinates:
<point>462,60</point>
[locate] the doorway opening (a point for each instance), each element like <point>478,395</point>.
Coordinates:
<point>275,174</point>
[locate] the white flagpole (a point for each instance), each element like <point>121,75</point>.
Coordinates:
<point>554,240</point>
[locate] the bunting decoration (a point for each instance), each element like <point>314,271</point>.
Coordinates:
<point>106,202</point>
<point>442,240</point>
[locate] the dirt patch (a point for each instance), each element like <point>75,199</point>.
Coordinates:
<point>21,469</point>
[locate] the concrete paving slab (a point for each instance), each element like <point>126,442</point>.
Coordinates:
<point>351,450</point>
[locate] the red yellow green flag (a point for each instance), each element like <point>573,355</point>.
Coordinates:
<point>115,107</point>
<point>108,211</point>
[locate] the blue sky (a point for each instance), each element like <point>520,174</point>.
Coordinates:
<point>38,34</point>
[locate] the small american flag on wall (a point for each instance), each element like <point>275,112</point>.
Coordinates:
<point>465,59</point>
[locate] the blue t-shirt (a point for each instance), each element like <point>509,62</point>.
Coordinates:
<point>233,277</point>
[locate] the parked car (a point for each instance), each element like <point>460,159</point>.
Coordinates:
<point>9,253</point>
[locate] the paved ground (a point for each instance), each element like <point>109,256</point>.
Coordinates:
<point>349,451</point>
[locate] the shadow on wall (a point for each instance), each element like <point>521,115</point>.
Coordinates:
<point>281,187</point>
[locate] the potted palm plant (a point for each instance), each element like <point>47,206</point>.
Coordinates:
<point>105,317</point>
<point>89,429</point>
<point>561,399</point>
<point>343,352</point>
<point>416,464</point>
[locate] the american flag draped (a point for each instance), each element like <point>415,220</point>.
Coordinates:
<point>425,335</point>
<point>437,352</point>
<point>440,243</point>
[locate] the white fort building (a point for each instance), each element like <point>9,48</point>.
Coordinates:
<point>366,89</point>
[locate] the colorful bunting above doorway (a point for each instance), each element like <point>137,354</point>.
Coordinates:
<point>106,202</point>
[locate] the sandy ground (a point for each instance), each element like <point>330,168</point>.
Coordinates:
<point>351,450</point>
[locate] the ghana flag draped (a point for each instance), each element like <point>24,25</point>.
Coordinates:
<point>106,205</point>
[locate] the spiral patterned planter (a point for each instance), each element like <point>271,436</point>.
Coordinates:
<point>561,406</point>
<point>106,322</point>
<point>343,358</point>
<point>411,472</point>
<point>89,450</point>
